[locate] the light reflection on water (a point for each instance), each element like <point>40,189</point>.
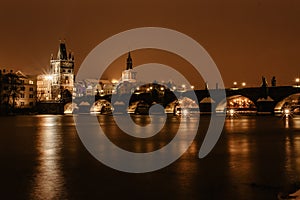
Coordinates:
<point>49,181</point>
<point>292,150</point>
<point>254,158</point>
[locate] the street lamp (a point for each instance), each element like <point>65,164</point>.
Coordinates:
<point>297,81</point>
<point>243,84</point>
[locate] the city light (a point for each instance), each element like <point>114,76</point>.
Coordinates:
<point>243,84</point>
<point>231,113</point>
<point>235,83</point>
<point>287,111</point>
<point>192,87</point>
<point>49,77</point>
<point>114,81</point>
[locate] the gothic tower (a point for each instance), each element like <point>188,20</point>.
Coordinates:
<point>62,70</point>
<point>129,62</point>
<point>129,75</point>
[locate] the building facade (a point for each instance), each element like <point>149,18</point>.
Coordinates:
<point>58,84</point>
<point>62,72</point>
<point>17,90</point>
<point>128,82</point>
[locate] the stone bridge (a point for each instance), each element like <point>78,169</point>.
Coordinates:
<point>261,99</point>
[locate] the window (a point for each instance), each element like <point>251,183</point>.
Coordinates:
<point>22,103</point>
<point>22,96</point>
<point>22,82</point>
<point>31,89</point>
<point>31,96</point>
<point>69,71</point>
<point>22,88</point>
<point>31,103</point>
<point>30,82</point>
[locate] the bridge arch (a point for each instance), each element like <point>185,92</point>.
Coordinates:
<point>101,106</point>
<point>239,103</point>
<point>292,102</point>
<point>70,108</point>
<point>176,106</point>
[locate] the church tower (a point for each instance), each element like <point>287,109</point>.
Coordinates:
<point>129,62</point>
<point>62,70</point>
<point>129,75</point>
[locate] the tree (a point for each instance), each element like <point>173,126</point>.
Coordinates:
<point>11,84</point>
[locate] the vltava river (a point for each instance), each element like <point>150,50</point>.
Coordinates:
<point>42,157</point>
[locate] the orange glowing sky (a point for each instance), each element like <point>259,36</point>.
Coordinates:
<point>246,39</point>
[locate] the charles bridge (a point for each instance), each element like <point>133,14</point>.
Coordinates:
<point>267,100</point>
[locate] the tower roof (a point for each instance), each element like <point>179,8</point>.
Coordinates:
<point>62,52</point>
<point>129,62</point>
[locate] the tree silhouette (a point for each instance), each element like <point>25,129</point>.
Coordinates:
<point>11,86</point>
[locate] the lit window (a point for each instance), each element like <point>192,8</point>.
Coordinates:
<point>31,82</point>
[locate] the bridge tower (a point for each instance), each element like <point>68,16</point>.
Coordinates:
<point>62,71</point>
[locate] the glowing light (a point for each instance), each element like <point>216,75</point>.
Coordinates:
<point>114,81</point>
<point>297,80</point>
<point>49,77</point>
<point>243,84</point>
<point>287,111</point>
<point>235,83</point>
<point>192,87</point>
<point>162,88</point>
<point>185,112</point>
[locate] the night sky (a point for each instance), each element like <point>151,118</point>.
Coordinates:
<point>246,38</point>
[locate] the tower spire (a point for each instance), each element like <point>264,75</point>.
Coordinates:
<point>129,62</point>
<point>62,51</point>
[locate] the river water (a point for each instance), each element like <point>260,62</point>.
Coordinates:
<point>42,157</point>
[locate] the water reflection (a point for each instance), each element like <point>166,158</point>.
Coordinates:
<point>254,157</point>
<point>286,123</point>
<point>240,149</point>
<point>292,150</point>
<point>48,180</point>
<point>239,124</point>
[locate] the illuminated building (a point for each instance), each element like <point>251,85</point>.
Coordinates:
<point>62,73</point>
<point>127,83</point>
<point>18,89</point>
<point>59,82</point>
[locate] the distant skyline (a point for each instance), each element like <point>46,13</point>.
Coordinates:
<point>246,39</point>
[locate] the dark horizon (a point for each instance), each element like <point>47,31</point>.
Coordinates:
<point>247,40</point>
